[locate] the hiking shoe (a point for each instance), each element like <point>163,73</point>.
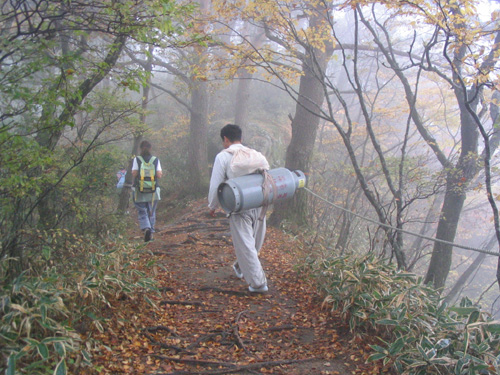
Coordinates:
<point>147,235</point>
<point>237,270</point>
<point>262,289</point>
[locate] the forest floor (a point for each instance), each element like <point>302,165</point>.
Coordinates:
<point>205,320</point>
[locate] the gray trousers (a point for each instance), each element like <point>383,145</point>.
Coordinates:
<point>248,234</point>
<point>146,214</point>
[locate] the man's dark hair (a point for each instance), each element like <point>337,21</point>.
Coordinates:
<point>232,132</point>
<point>145,148</point>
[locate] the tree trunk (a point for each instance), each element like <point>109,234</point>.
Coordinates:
<point>460,175</point>
<point>198,138</point>
<point>469,271</point>
<point>457,181</point>
<point>242,101</point>
<point>52,129</point>
<point>416,247</point>
<point>124,200</point>
<point>304,128</point>
<point>345,231</point>
<point>198,122</point>
<point>440,264</point>
<point>10,246</point>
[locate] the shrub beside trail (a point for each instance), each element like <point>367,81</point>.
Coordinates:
<point>418,333</point>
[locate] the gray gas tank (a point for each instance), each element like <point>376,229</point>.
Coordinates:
<point>245,192</point>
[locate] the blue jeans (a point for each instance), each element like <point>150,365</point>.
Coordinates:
<point>146,213</point>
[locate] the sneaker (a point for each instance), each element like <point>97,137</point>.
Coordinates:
<point>237,270</point>
<point>262,289</point>
<point>147,235</point>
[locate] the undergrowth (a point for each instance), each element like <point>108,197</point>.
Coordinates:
<point>44,310</point>
<point>417,333</point>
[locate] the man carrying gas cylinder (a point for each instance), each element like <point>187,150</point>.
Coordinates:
<point>248,228</point>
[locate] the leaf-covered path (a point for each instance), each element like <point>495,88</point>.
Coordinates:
<point>206,321</point>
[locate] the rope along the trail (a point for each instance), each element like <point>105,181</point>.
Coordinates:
<point>494,253</point>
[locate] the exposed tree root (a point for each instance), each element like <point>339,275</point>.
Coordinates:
<point>161,328</point>
<point>159,252</point>
<point>166,346</point>
<point>184,303</point>
<point>232,368</point>
<point>197,362</point>
<point>193,227</point>
<point>166,289</point>
<point>236,333</point>
<point>280,328</point>
<point>209,337</point>
<point>226,237</point>
<point>224,291</point>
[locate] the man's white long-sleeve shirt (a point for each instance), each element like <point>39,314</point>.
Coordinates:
<point>220,173</point>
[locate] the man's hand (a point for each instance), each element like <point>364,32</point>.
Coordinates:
<point>212,213</point>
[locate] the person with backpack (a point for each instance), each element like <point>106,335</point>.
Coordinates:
<point>247,228</point>
<point>146,170</point>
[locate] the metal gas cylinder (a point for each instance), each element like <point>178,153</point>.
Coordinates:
<point>246,192</point>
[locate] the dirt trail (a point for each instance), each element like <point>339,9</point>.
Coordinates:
<point>208,323</point>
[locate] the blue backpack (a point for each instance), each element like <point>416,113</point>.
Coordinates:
<point>121,180</point>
